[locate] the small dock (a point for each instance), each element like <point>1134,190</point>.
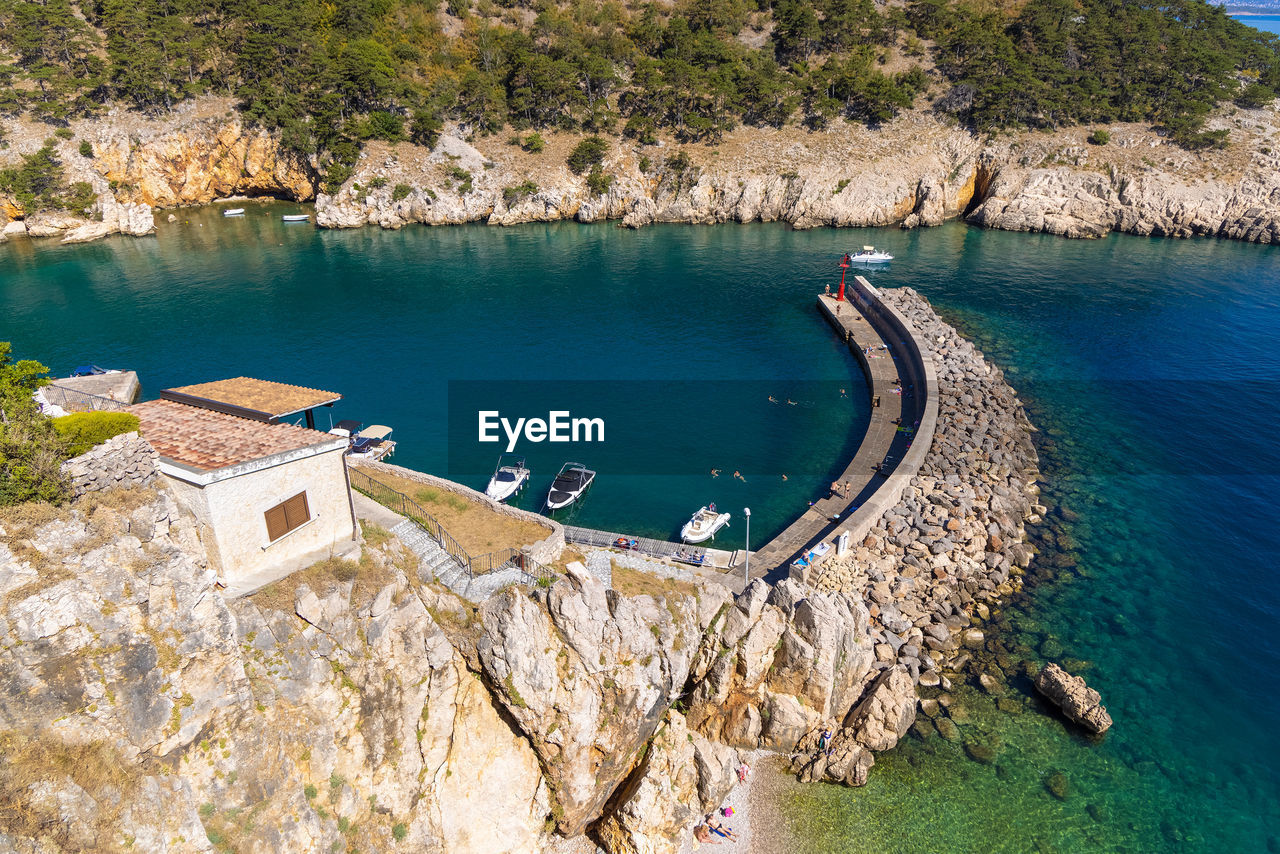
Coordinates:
<point>114,390</point>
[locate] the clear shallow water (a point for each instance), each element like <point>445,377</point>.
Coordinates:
<point>1150,365</point>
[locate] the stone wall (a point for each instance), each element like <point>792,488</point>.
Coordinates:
<point>546,550</point>
<point>125,461</point>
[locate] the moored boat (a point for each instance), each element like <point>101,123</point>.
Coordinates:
<point>372,443</point>
<point>508,478</point>
<point>233,212</point>
<point>570,483</point>
<point>703,525</point>
<point>869,255</point>
<point>296,217</point>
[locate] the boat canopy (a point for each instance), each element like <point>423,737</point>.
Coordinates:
<point>868,249</point>
<point>375,431</point>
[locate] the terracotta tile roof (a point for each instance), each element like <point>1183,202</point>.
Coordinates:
<point>259,397</point>
<point>207,440</point>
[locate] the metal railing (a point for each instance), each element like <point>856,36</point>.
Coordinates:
<point>394,499</point>
<point>681,552</point>
<point>80,401</point>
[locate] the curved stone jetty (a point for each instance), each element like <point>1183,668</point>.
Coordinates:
<point>1077,700</point>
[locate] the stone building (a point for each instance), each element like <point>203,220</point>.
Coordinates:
<point>269,498</point>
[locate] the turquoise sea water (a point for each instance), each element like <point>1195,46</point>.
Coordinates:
<point>1150,365</point>
<point>1266,23</point>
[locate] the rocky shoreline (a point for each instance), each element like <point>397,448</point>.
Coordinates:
<point>915,171</point>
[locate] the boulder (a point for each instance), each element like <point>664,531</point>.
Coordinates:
<point>885,712</point>
<point>1077,700</point>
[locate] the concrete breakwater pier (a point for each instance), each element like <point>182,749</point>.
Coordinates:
<point>941,488</point>
<point>939,558</point>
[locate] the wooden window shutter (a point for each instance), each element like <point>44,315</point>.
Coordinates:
<point>296,511</point>
<point>287,516</point>
<point>277,524</point>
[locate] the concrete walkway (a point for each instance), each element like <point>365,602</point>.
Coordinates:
<point>888,366</point>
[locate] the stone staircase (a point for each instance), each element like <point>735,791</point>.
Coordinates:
<point>436,563</point>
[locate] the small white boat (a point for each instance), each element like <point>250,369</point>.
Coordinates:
<point>296,217</point>
<point>508,479</point>
<point>371,443</point>
<point>869,255</point>
<point>233,212</point>
<point>570,483</point>
<point>703,525</point>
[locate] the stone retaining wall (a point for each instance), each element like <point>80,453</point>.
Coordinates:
<point>544,551</point>
<point>124,461</point>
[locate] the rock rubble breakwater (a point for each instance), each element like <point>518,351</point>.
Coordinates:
<point>935,565</point>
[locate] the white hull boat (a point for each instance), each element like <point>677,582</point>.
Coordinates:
<point>570,483</point>
<point>703,525</point>
<point>234,212</point>
<point>869,255</point>
<point>296,217</point>
<point>508,479</point>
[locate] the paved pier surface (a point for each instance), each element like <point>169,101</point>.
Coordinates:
<point>78,392</point>
<point>902,387</point>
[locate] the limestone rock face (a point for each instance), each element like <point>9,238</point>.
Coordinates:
<point>588,679</point>
<point>1077,700</point>
<point>1077,203</point>
<point>780,653</point>
<point>198,162</point>
<point>682,777</point>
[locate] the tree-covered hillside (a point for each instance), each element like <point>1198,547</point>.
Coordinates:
<point>330,73</point>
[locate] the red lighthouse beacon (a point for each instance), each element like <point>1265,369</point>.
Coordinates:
<point>844,268</point>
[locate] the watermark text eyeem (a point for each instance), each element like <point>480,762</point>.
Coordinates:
<point>558,426</point>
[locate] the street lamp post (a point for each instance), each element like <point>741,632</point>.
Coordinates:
<point>746,571</point>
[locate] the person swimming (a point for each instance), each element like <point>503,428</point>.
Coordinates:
<point>715,472</point>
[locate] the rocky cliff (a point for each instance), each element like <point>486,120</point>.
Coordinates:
<point>359,705</point>
<point>914,171</point>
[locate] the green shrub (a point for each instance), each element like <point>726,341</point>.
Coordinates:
<point>81,196</point>
<point>512,195</point>
<point>31,452</point>
<point>310,792</point>
<point>377,183</point>
<point>399,831</point>
<point>1100,137</point>
<point>645,164</point>
<point>463,177</point>
<point>534,143</point>
<point>590,152</point>
<point>86,430</point>
<point>64,133</point>
<point>401,191</point>
<point>384,125</point>
<point>86,149</point>
<point>598,182</point>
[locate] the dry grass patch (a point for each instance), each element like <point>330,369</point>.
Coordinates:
<point>567,556</point>
<point>633,582</point>
<point>21,521</point>
<point>369,576</point>
<point>475,526</point>
<point>96,767</point>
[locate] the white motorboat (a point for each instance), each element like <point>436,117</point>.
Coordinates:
<point>508,479</point>
<point>570,483</point>
<point>371,443</point>
<point>233,212</point>
<point>869,255</point>
<point>703,525</point>
<point>296,217</point>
